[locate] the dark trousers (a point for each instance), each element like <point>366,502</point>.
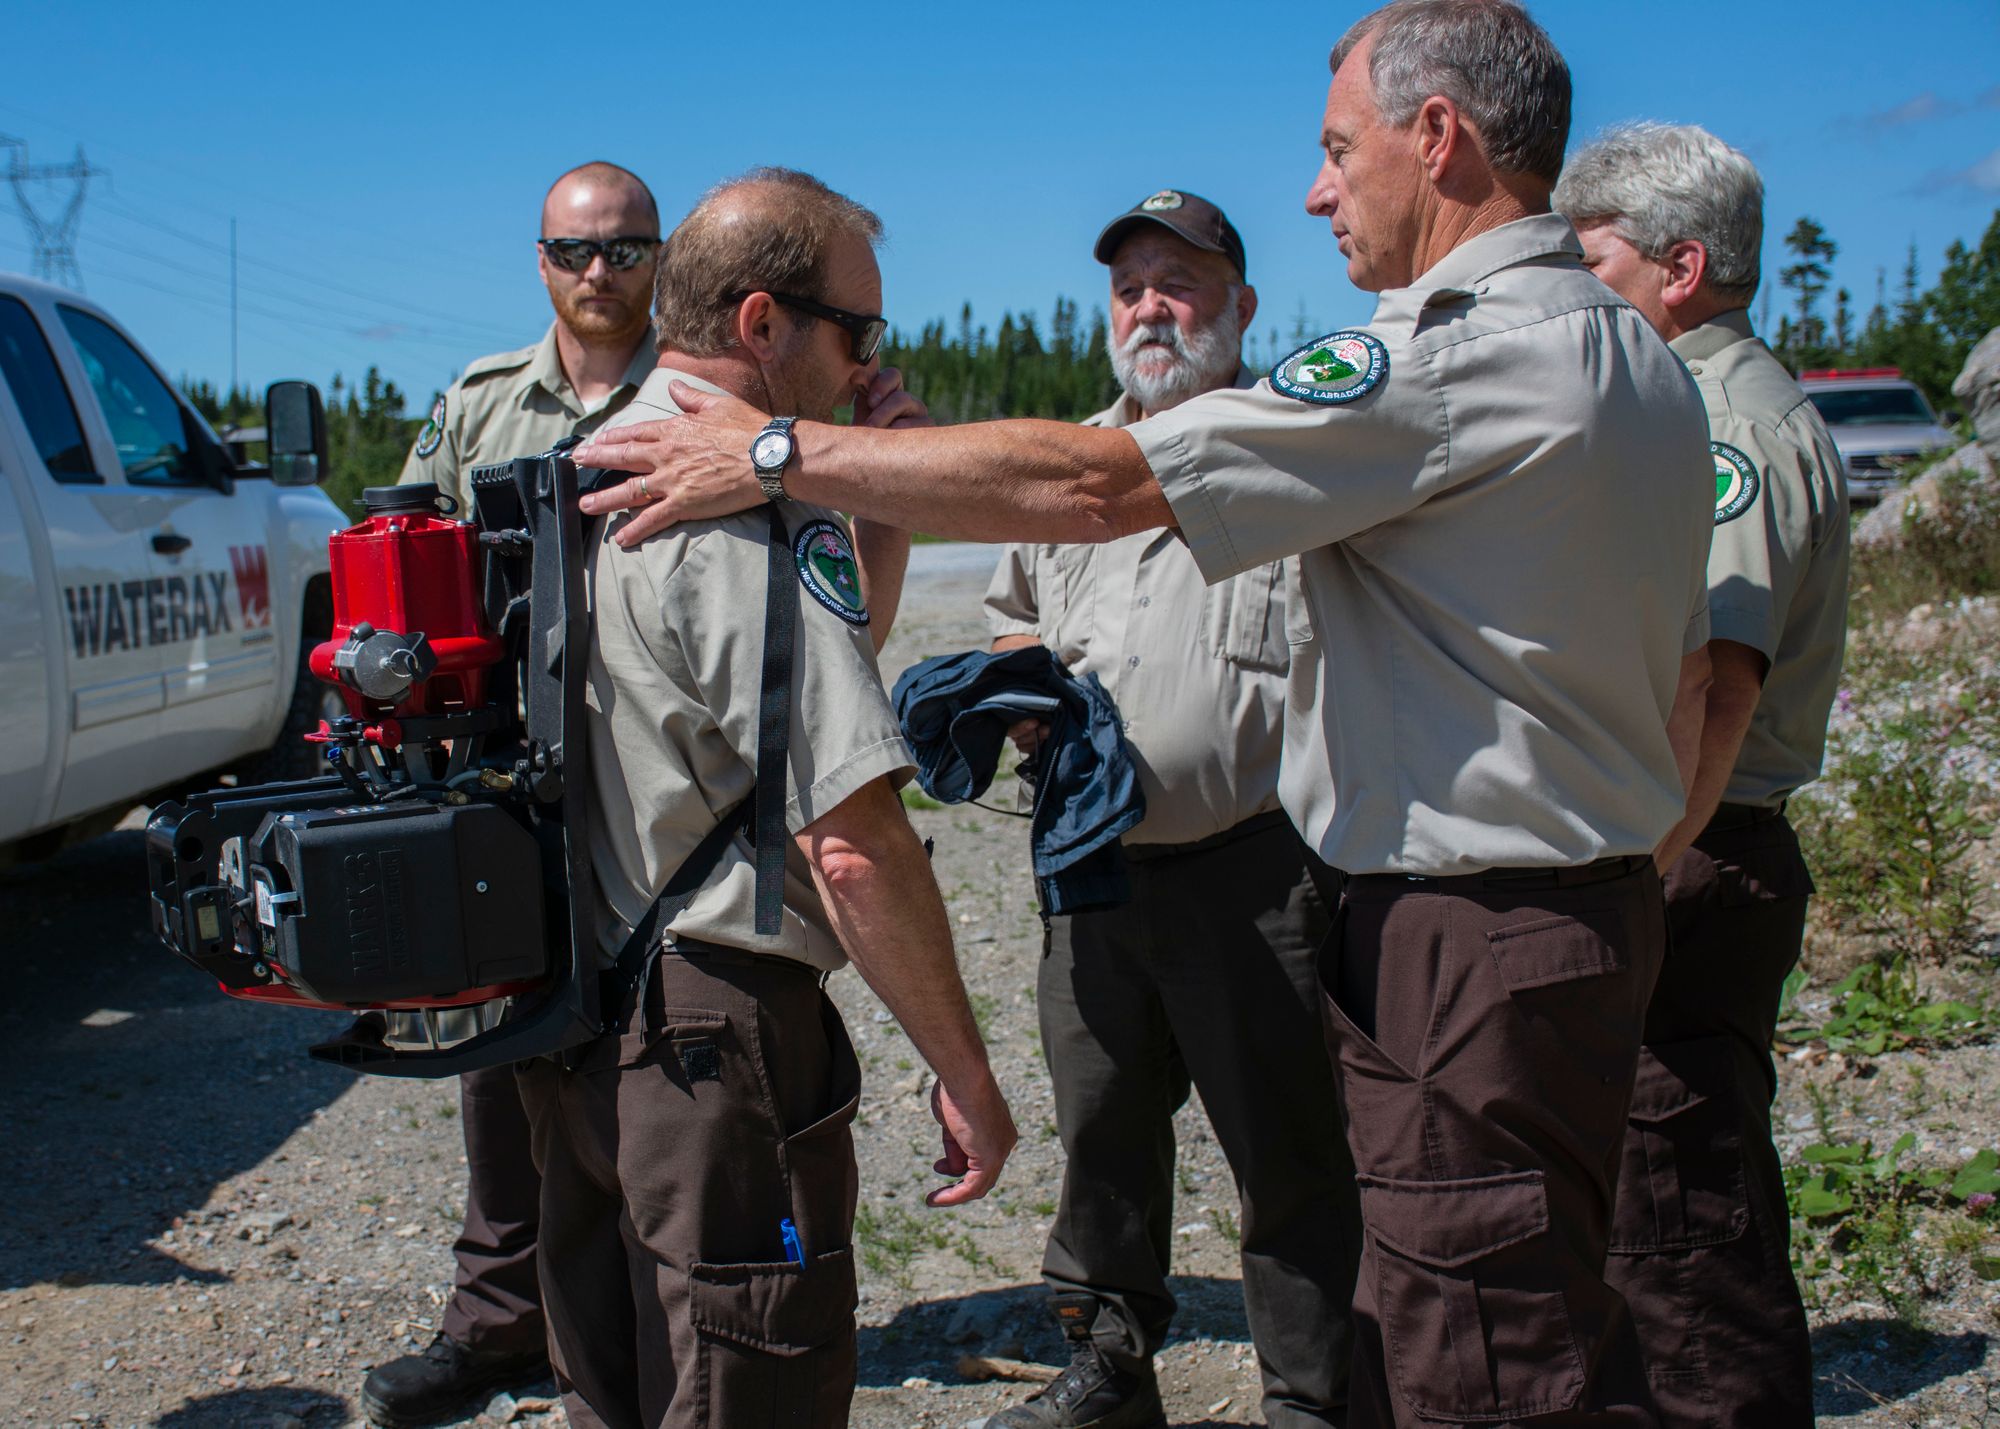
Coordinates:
<point>496,1304</point>
<point>1487,1028</point>
<point>671,1156</point>
<point>1700,1244</point>
<point>1205,976</point>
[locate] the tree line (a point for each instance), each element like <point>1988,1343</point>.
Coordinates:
<point>1927,332</point>
<point>969,372</point>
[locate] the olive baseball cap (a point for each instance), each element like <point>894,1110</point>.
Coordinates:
<point>1186,215</point>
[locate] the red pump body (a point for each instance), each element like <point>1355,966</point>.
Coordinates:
<point>411,573</point>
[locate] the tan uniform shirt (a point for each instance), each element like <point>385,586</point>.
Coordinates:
<point>1197,671</point>
<point>676,654</point>
<point>507,405</point>
<point>1777,574</point>
<point>1500,487</point>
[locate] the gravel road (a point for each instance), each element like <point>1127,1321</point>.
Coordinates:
<point>206,1229</point>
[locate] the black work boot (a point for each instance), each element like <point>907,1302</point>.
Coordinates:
<point>445,1379</point>
<point>1092,1393</point>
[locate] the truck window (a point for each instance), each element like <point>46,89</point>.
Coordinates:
<point>39,391</point>
<point>146,421</point>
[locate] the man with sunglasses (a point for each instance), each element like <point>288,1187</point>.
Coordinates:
<point>698,1175</point>
<point>600,231</point>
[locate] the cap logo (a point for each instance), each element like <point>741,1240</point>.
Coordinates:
<point>433,432</point>
<point>828,572</point>
<point>1338,368</point>
<point>1165,201</point>
<point>1736,482</point>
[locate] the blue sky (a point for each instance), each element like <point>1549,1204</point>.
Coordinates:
<point>385,165</point>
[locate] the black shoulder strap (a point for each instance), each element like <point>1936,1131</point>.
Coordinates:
<point>762,815</point>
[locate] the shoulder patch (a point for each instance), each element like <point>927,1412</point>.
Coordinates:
<point>827,569</point>
<point>1340,367</point>
<point>433,430</point>
<point>1736,482</point>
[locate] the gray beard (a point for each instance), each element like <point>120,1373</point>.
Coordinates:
<point>1183,366</point>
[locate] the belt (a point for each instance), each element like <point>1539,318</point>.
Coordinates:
<point>1255,824</point>
<point>1502,880</point>
<point>692,950</point>
<point>1741,816</point>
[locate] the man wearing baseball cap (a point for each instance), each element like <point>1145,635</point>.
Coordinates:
<point>1206,975</point>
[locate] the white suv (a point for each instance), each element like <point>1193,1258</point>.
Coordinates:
<point>1880,422</point>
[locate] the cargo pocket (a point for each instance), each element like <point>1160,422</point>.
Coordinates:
<point>1475,1325</point>
<point>1681,1182</point>
<point>776,1341</point>
<point>680,1038</point>
<point>819,1159</point>
<point>1548,951</point>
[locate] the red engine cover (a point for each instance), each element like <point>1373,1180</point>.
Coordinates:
<point>413,573</point>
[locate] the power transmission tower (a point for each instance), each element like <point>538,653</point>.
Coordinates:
<point>54,238</point>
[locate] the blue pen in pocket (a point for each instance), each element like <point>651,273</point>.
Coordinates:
<point>795,1250</point>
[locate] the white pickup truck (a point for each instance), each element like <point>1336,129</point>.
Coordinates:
<point>157,599</point>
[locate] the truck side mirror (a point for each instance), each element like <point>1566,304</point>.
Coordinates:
<point>295,421</point>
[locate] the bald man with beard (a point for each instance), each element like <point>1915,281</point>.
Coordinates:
<point>600,232</point>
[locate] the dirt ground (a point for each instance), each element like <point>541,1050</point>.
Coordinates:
<point>206,1229</point>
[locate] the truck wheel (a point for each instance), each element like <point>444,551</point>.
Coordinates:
<point>290,757</point>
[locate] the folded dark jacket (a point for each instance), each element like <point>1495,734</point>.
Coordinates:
<point>956,711</point>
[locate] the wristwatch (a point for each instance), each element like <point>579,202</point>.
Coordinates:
<point>770,453</point>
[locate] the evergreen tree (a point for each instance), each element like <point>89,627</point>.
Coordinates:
<point>1805,342</point>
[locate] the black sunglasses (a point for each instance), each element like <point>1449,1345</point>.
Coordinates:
<point>864,331</point>
<point>573,255</point>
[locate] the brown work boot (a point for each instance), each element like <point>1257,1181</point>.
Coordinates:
<point>444,1380</point>
<point>1092,1393</point>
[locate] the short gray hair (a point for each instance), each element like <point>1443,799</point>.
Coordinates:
<point>1662,184</point>
<point>1486,56</point>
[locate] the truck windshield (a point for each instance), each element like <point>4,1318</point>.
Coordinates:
<point>1869,406</point>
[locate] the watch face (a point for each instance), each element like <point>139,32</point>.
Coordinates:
<point>771,451</point>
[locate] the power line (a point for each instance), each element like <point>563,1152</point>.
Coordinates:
<point>54,238</point>
<point>277,294</point>
<point>114,205</point>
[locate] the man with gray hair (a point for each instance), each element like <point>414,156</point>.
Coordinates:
<point>1496,490</point>
<point>1206,974</point>
<point>1672,220</point>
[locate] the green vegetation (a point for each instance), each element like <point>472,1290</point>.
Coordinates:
<point>1878,1008</point>
<point>891,1238</point>
<point>1224,1221</point>
<point>1857,1224</point>
<point>1906,799</point>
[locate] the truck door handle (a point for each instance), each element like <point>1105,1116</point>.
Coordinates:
<point>170,543</point>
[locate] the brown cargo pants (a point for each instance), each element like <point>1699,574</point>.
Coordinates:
<point>1700,1240</point>
<point>1486,1029</point>
<point>496,1302</point>
<point>670,1157</point>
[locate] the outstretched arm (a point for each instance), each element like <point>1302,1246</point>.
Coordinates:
<point>988,481</point>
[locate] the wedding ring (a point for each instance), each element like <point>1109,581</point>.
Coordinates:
<point>642,489</point>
